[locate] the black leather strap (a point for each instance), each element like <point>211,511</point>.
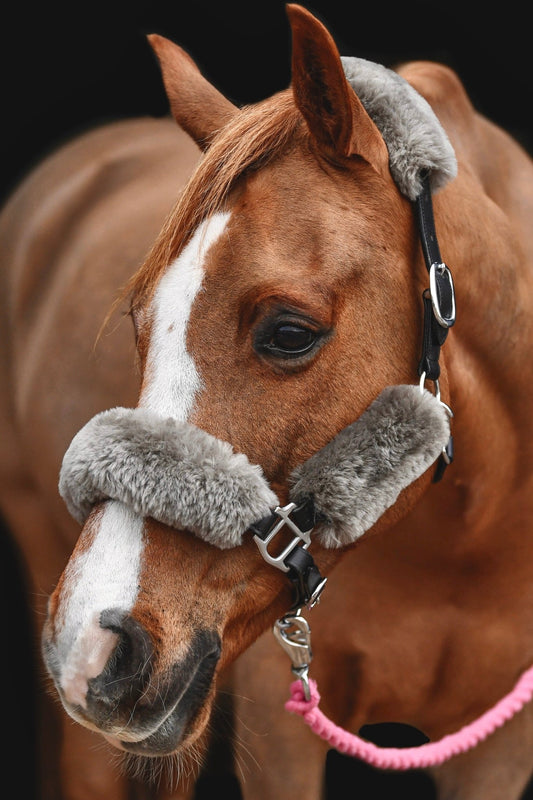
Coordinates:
<point>302,571</point>
<point>445,458</point>
<point>305,576</point>
<point>434,336</point>
<point>439,300</point>
<point>426,224</point>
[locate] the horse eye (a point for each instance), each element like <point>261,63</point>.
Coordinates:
<point>286,339</point>
<point>292,339</point>
<point>287,336</point>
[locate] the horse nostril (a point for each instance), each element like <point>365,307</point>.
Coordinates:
<point>128,668</point>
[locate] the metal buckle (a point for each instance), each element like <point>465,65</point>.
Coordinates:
<point>444,272</point>
<point>283,513</point>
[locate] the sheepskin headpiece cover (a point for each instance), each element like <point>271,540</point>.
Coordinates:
<point>184,477</point>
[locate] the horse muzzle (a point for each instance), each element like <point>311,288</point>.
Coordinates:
<point>137,707</point>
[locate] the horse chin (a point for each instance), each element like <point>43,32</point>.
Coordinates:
<point>171,769</point>
<point>174,738</point>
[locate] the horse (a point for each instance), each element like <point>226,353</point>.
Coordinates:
<point>273,261</point>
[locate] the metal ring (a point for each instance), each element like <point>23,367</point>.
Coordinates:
<point>437,393</point>
<point>435,383</point>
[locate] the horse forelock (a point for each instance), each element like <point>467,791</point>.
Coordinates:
<point>250,140</point>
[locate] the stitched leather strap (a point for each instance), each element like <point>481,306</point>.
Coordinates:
<point>434,336</point>
<point>439,300</point>
<point>426,225</point>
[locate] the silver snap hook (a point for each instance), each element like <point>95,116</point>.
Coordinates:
<point>294,634</point>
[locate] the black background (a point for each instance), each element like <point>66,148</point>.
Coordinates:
<point>66,67</point>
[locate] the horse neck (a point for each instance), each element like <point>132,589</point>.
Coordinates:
<point>484,228</point>
<point>483,223</point>
<point>489,243</point>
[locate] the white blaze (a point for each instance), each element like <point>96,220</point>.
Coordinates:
<point>171,380</point>
<point>107,574</point>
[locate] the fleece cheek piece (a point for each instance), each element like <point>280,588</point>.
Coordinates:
<point>357,476</point>
<point>415,139</point>
<point>188,479</point>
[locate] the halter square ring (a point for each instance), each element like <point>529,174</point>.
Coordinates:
<point>283,512</point>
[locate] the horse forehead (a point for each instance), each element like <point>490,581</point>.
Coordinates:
<point>292,193</point>
<point>294,214</point>
<point>301,213</point>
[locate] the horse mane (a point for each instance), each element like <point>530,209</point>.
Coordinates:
<point>254,136</point>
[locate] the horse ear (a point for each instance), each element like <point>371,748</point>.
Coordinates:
<point>198,108</point>
<point>334,114</point>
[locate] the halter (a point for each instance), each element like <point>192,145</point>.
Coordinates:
<point>156,465</point>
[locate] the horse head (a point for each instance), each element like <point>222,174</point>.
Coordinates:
<point>280,300</point>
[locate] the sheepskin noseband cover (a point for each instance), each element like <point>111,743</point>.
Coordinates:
<point>188,479</point>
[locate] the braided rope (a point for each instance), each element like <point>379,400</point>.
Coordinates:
<point>426,755</point>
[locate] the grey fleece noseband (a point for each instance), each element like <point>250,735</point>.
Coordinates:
<point>187,479</point>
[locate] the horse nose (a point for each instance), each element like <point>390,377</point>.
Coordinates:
<point>106,660</point>
<point>128,666</point>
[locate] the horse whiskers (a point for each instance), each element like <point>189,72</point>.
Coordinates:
<point>244,759</point>
<point>169,770</point>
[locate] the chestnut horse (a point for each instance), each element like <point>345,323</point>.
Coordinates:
<point>281,297</point>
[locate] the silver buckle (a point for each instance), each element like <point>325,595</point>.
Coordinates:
<point>445,322</point>
<point>300,536</point>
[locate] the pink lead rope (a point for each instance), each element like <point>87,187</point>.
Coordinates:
<point>426,755</point>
